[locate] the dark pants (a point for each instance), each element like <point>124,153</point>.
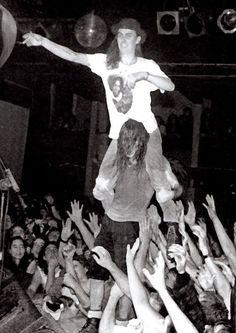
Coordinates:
<point>114,237</point>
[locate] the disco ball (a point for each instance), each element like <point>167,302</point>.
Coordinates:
<point>90,31</point>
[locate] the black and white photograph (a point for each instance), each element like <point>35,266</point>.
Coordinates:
<point>117,166</point>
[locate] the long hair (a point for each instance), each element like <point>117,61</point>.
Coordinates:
<point>132,132</point>
<point>113,54</point>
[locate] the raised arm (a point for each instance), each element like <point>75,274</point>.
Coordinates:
<point>76,217</point>
<point>226,244</point>
<point>32,39</point>
<point>139,295</point>
<point>157,279</point>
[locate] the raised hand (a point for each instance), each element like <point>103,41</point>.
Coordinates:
<point>93,224</point>
<point>69,280</point>
<point>76,212</point>
<point>190,217</point>
<point>201,232</point>
<point>66,230</point>
<point>131,252</point>
<point>157,279</point>
<point>68,251</point>
<point>145,232</point>
<point>31,39</point>
<point>178,253</point>
<point>206,279</point>
<point>102,257</point>
<point>210,206</point>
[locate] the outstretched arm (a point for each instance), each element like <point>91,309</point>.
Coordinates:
<point>225,241</point>
<point>32,39</point>
<point>139,295</point>
<point>108,319</point>
<point>157,279</point>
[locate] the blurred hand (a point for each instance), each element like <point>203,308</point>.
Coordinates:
<point>210,206</point>
<point>76,212</point>
<point>31,39</point>
<point>102,257</point>
<point>178,253</point>
<point>145,232</point>
<point>66,230</point>
<point>68,251</point>
<point>131,252</point>
<point>157,279</point>
<point>190,217</point>
<point>93,224</point>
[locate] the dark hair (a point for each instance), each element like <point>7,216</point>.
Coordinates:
<point>113,54</point>
<point>132,131</point>
<point>41,261</point>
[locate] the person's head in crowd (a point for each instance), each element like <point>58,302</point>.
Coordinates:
<point>53,235</point>
<point>43,212</point>
<point>37,246</point>
<point>16,249</point>
<point>49,251</point>
<point>53,223</point>
<point>131,144</point>
<point>8,222</point>
<point>17,231</point>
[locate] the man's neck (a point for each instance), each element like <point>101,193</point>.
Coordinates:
<point>128,59</point>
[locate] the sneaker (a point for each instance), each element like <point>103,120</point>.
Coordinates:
<point>91,326</point>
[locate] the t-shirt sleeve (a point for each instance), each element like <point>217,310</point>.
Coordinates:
<point>97,63</point>
<point>153,68</point>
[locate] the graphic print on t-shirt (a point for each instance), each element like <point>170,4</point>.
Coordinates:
<point>122,94</point>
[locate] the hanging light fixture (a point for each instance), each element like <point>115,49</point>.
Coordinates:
<point>227,21</point>
<point>90,31</point>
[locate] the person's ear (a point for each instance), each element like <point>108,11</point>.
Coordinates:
<point>138,40</point>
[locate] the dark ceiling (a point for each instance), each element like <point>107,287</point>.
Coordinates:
<point>206,57</point>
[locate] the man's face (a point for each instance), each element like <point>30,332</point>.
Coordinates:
<point>116,88</point>
<point>127,40</point>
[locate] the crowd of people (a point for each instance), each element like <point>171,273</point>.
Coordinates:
<point>150,263</point>
<point>177,280</point>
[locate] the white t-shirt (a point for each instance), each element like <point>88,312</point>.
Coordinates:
<point>124,103</point>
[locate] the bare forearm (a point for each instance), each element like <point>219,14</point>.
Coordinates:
<point>107,322</point>
<point>121,279</point>
<point>64,52</point>
<point>179,319</point>
<point>226,243</point>
<point>86,234</point>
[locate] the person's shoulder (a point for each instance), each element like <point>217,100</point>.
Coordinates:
<point>147,62</point>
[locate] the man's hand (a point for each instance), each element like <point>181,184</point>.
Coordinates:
<point>210,206</point>
<point>145,232</point>
<point>131,252</point>
<point>31,39</point>
<point>102,257</point>
<point>68,251</point>
<point>190,217</point>
<point>66,230</point>
<point>93,224</point>
<point>157,279</point>
<point>178,253</point>
<point>76,212</point>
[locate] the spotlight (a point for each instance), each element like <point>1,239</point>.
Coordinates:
<point>227,21</point>
<point>168,23</point>
<point>195,25</point>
